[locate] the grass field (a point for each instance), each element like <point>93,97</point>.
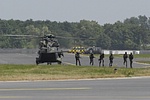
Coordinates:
<point>11,72</point>
<point>60,72</point>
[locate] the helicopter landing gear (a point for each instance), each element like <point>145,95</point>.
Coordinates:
<point>48,63</point>
<point>59,62</point>
<point>37,61</point>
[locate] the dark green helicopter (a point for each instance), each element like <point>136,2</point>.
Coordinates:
<point>49,51</point>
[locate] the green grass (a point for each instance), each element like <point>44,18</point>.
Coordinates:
<point>59,72</point>
<point>142,55</point>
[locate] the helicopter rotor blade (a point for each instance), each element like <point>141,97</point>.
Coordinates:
<point>75,38</point>
<point>12,35</point>
<point>51,36</point>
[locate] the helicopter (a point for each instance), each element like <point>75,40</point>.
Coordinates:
<point>48,51</point>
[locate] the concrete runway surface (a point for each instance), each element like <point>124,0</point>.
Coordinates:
<point>100,89</point>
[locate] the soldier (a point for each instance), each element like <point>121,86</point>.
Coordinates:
<point>131,59</point>
<point>101,59</point>
<point>41,44</point>
<point>111,57</point>
<point>60,54</point>
<point>91,59</point>
<point>77,57</point>
<point>125,56</point>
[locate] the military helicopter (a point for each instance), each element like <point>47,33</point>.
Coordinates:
<point>49,51</point>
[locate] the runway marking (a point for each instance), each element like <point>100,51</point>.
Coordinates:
<point>79,97</point>
<point>68,63</point>
<point>43,89</point>
<point>13,97</point>
<point>141,63</point>
<point>119,97</point>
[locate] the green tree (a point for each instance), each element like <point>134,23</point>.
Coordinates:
<point>103,41</point>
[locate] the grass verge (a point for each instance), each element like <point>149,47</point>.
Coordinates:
<point>60,72</point>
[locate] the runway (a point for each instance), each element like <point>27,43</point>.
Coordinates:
<point>99,89</point>
<point>17,58</point>
<point>20,58</point>
<point>102,89</point>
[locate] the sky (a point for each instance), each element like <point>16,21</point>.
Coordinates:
<point>101,11</point>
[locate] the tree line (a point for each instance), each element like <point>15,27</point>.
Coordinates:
<point>133,33</point>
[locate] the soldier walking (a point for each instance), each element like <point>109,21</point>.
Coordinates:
<point>111,57</point>
<point>125,56</point>
<point>91,59</point>
<point>131,59</point>
<point>77,57</point>
<point>101,59</point>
